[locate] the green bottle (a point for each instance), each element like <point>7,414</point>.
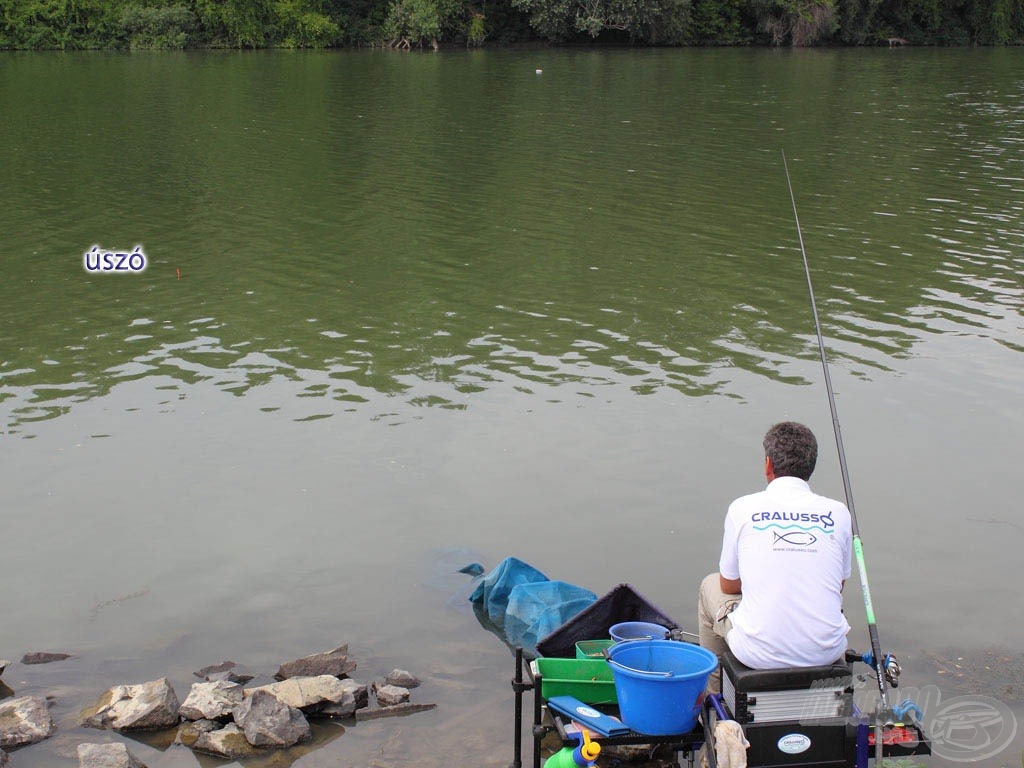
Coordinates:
<point>580,756</point>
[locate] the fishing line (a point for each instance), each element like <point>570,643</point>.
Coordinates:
<point>879,662</point>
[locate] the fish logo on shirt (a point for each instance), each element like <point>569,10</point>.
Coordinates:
<point>813,521</point>
<point>796,538</point>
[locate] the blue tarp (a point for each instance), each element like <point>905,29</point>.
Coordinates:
<point>538,609</point>
<point>493,590</point>
<point>525,604</point>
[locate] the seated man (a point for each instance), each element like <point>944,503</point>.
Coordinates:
<point>788,550</point>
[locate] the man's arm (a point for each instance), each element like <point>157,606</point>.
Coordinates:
<point>729,586</point>
<point>729,562</point>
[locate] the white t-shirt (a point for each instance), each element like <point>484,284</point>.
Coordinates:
<point>791,550</point>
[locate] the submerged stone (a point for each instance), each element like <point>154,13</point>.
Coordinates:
<point>40,657</point>
<point>189,732</point>
<point>395,710</point>
<point>228,742</point>
<point>115,755</point>
<point>180,756</point>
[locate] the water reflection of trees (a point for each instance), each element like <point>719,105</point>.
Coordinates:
<point>632,232</point>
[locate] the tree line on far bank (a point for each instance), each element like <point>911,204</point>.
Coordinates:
<point>177,24</point>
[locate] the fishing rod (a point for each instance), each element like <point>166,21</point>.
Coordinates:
<point>886,668</point>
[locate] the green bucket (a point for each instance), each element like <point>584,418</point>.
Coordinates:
<point>592,649</point>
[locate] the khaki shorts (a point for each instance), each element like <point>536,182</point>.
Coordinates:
<point>713,619</point>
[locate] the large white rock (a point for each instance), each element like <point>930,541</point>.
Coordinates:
<point>211,701</point>
<point>24,720</point>
<point>115,755</point>
<point>307,693</point>
<point>145,706</point>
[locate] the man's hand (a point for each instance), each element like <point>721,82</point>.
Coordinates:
<point>729,586</point>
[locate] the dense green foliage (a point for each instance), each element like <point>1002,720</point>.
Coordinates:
<point>647,21</point>
<point>131,24</point>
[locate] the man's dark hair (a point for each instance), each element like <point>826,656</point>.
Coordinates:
<point>792,449</point>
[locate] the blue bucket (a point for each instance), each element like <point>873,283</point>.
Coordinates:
<point>637,630</point>
<point>659,684</point>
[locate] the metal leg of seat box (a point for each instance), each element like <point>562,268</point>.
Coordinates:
<point>538,728</point>
<point>518,688</point>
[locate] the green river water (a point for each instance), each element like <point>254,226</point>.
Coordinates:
<point>402,312</point>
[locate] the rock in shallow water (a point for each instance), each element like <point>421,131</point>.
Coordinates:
<point>226,670</point>
<point>25,720</point>
<point>356,697</point>
<point>402,679</point>
<point>189,732</point>
<point>229,742</point>
<point>211,701</point>
<point>178,756</point>
<point>334,662</point>
<point>268,722</point>
<point>146,706</point>
<point>397,710</point>
<point>308,693</point>
<point>41,657</point>
<point>114,755</point>
<point>389,695</point>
